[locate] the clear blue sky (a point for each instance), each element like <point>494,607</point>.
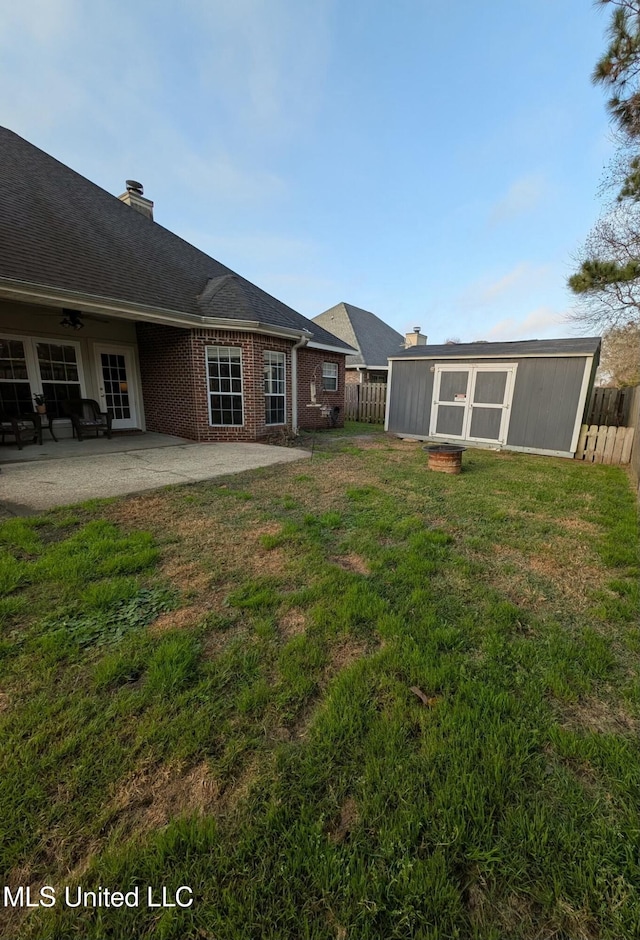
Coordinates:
<point>434,163</point>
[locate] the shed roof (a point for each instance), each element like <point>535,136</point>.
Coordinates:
<point>60,231</point>
<point>579,346</point>
<point>374,339</point>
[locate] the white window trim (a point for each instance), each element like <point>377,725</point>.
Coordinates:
<point>209,393</point>
<point>276,424</point>
<point>337,375</point>
<point>31,358</point>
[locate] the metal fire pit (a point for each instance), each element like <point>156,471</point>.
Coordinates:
<point>445,458</point>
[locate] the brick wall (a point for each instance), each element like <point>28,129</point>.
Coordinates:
<point>166,377</point>
<point>310,369</point>
<point>352,376</point>
<point>174,381</point>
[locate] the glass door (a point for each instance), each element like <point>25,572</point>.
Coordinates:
<point>116,374</point>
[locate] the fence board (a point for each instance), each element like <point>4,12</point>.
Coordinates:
<point>604,444</point>
<point>616,457</point>
<point>609,407</point>
<point>366,402</point>
<point>609,443</point>
<point>598,454</point>
<point>627,445</point>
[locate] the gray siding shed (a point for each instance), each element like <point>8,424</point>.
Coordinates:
<point>551,383</point>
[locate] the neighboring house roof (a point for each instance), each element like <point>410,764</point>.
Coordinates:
<point>62,233</point>
<point>372,337</point>
<point>582,346</point>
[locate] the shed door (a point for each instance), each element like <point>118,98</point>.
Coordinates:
<point>472,403</point>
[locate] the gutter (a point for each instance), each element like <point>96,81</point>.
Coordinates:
<point>294,381</point>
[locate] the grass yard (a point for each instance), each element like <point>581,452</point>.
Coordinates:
<point>341,699</point>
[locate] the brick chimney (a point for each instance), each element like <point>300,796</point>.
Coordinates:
<point>134,198</point>
<point>415,339</point>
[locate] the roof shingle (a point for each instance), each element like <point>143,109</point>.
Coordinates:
<point>374,339</point>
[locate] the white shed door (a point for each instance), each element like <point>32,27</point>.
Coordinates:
<point>472,403</point>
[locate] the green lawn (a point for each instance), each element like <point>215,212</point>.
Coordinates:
<point>342,698</point>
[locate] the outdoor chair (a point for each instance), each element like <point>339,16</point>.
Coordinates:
<point>86,416</point>
<point>26,428</point>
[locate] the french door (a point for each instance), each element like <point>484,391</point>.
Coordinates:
<point>472,403</point>
<point>116,369</point>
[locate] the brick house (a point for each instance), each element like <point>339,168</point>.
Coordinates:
<point>99,301</point>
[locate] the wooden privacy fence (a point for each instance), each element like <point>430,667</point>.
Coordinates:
<point>610,406</point>
<point>602,444</point>
<point>366,402</point>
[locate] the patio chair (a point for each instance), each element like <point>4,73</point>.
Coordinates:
<point>85,416</point>
<point>26,428</point>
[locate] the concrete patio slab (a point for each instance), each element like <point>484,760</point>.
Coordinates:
<point>31,486</point>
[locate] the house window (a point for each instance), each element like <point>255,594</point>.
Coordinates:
<point>59,378</point>
<point>224,372</point>
<point>274,387</point>
<point>31,366</point>
<point>15,389</point>
<point>330,376</point>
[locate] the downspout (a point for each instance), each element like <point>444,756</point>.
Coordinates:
<point>294,381</point>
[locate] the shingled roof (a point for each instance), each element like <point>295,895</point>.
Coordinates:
<point>578,346</point>
<point>60,231</point>
<point>372,337</point>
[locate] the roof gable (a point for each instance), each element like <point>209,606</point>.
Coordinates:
<point>374,339</point>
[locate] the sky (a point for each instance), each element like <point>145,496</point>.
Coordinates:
<point>434,163</point>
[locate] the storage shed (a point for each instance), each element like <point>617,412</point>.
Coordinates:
<point>527,396</point>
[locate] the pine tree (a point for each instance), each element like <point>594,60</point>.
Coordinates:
<point>609,276</point>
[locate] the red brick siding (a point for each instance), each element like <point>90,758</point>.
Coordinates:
<point>174,381</point>
<point>166,376</point>
<point>310,369</point>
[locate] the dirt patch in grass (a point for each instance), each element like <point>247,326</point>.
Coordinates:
<point>344,654</point>
<point>341,828</point>
<point>578,525</point>
<point>186,575</point>
<point>181,619</point>
<point>565,567</point>
<point>292,623</point>
<point>155,511</point>
<point>594,714</point>
<point>353,563</point>
<point>217,640</point>
<point>153,795</point>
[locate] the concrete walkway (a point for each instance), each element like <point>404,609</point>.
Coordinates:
<point>33,485</point>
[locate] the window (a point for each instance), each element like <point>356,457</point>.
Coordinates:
<point>58,366</point>
<point>224,372</point>
<point>31,366</point>
<point>15,390</point>
<point>330,376</point>
<point>274,387</point>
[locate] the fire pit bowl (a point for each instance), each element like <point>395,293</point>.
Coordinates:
<point>445,458</point>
